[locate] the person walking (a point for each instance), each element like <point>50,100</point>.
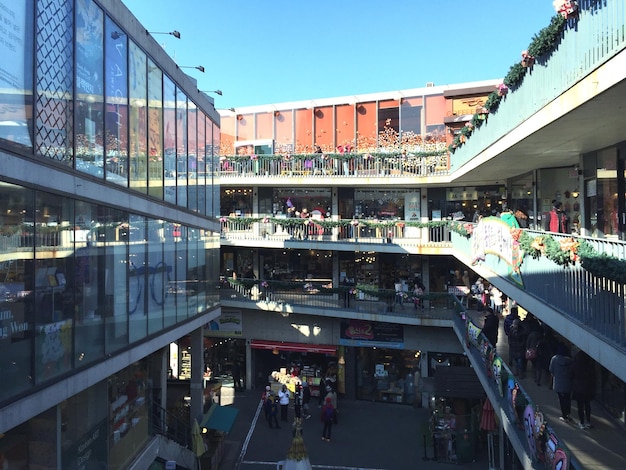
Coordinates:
<point>533,352</point>
<point>297,402</point>
<point>330,393</point>
<point>283,397</point>
<point>491,325</point>
<point>517,348</point>
<point>306,399</point>
<point>328,418</point>
<point>583,387</point>
<point>267,405</point>
<point>273,412</point>
<point>561,370</point>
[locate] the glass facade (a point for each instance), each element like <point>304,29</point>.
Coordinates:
<point>385,125</point>
<point>82,280</point>
<point>96,102</point>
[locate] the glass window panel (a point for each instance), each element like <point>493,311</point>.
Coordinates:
<point>54,300</point>
<point>16,82</point>
<point>169,139</point>
<point>113,278</point>
<point>16,289</point>
<point>89,112</point>
<point>435,109</point>
<point>388,125</point>
<point>284,132</point>
<point>138,278</point>
<point>159,274</point>
<point>54,80</point>
<point>217,151</point>
<point>171,237</point>
<point>84,279</point>
<point>366,127</point>
<point>411,122</point>
<point>227,129</point>
<point>324,129</point>
<point>181,148</point>
<point>245,127</point>
<point>181,275</point>
<point>155,133</point>
<point>116,104</point>
<point>203,162</point>
<point>304,137</point>
<point>194,276</point>
<point>192,156</point>
<point>138,119</point>
<point>264,126</point>
<point>344,127</point>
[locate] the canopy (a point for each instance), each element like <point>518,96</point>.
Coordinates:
<point>296,347</point>
<point>219,418</point>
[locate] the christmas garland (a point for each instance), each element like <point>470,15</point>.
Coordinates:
<point>334,156</point>
<point>327,224</point>
<point>542,44</point>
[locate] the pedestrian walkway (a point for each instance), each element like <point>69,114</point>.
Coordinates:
<point>601,447</point>
<point>368,436</point>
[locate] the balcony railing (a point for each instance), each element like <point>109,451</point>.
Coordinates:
<point>392,165</point>
<point>598,35</point>
<point>363,298</point>
<point>592,299</point>
<point>399,232</point>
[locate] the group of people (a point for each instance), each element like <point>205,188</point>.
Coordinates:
<point>531,341</point>
<point>275,404</point>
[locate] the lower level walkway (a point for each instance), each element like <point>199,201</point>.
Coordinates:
<point>601,447</point>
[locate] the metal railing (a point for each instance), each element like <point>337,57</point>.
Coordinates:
<point>170,425</point>
<point>361,299</point>
<point>322,166</point>
<point>594,301</point>
<point>347,230</point>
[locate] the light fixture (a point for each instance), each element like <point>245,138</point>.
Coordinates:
<point>217,92</point>
<point>197,67</point>
<point>232,110</point>
<point>275,352</point>
<point>276,113</point>
<point>176,34</point>
<point>575,194</point>
<point>116,35</point>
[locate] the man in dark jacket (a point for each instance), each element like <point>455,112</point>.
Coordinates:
<point>491,325</point>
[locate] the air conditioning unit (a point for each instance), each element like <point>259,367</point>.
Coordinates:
<point>430,84</point>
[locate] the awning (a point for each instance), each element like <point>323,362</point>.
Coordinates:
<point>297,347</point>
<point>219,418</point>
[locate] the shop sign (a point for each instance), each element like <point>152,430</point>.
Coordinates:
<point>370,334</point>
<point>90,451</point>
<point>228,324</point>
<point>462,194</point>
<point>412,206</point>
<point>493,236</point>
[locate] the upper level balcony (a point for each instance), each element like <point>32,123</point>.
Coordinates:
<point>393,236</point>
<point>333,168</point>
<point>567,103</point>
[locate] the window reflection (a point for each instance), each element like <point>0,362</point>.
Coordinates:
<point>181,147</point>
<point>116,122</point>
<point>138,119</point>
<point>89,109</point>
<point>155,132</point>
<point>169,139</point>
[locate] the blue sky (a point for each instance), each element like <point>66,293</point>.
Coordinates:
<point>262,52</point>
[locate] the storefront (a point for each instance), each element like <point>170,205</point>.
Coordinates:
<point>274,360</point>
<point>383,369</point>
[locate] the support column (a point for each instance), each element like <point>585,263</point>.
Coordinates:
<point>250,379</point>
<point>196,382</point>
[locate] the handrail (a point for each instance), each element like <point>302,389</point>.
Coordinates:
<point>166,423</point>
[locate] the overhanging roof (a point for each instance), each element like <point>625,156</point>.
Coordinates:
<point>296,347</point>
<point>219,418</point>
